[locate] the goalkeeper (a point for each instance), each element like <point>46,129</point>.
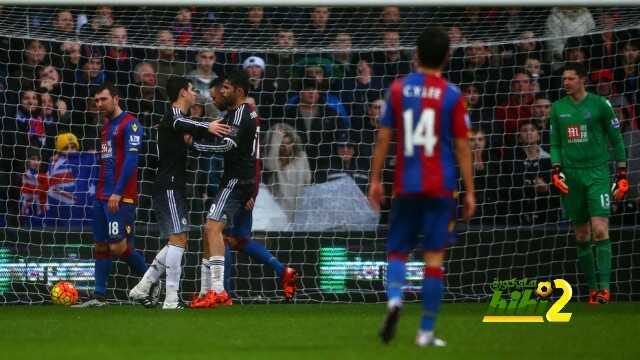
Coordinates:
<point>582,127</point>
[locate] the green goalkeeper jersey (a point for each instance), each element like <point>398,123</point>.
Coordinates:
<point>581,132</point>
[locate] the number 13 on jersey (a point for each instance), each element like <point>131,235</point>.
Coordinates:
<point>423,134</point>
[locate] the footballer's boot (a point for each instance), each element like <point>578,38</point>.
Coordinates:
<point>96,301</point>
<point>177,305</point>
<point>388,330</point>
<point>289,283</point>
<point>141,293</point>
<point>427,339</point>
<point>201,302</point>
<point>603,296</point>
<point>593,297</point>
<point>223,299</point>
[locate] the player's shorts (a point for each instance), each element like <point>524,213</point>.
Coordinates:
<point>171,213</point>
<point>428,222</point>
<point>589,193</point>
<point>111,227</point>
<point>231,197</point>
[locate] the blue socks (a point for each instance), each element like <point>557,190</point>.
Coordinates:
<point>396,269</point>
<point>257,251</point>
<point>135,260</point>
<point>101,272</point>
<point>431,296</point>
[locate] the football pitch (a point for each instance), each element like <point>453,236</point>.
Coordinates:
<point>308,331</point>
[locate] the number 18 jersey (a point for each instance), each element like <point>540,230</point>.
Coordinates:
<point>427,114</point>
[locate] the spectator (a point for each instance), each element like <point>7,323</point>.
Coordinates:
<point>357,90</point>
<point>574,52</point>
<point>64,25</point>
<point>280,63</point>
<point>602,81</point>
<point>54,113</point>
<point>342,57</point>
<point>69,61</point>
<point>32,197</point>
<point>143,97</point>
<point>627,76</point>
<point>565,22</point>
<point>478,69</point>
<point>97,28</point>
<point>513,21</point>
<point>527,179</point>
<point>167,62</point>
<point>263,90</point>
<point>456,39</point>
<point>90,75</point>
<point>203,73</point>
<point>391,63</point>
<point>119,58</point>
<point>253,30</point>
<point>390,18</point>
<point>538,74</point>
<point>286,166</point>
<point>23,74</point>
<point>50,80</point>
<point>481,116</point>
<point>486,172</point>
<point>320,127</point>
<point>540,112</point>
<point>88,127</point>
<point>604,47</point>
<point>213,38</point>
<point>518,106</point>
<point>318,31</point>
<point>182,28</point>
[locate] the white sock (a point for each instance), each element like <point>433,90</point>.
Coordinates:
<point>157,267</point>
<point>217,273</point>
<point>174,269</point>
<point>205,277</point>
<point>394,302</point>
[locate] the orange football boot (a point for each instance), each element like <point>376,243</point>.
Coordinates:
<point>289,283</point>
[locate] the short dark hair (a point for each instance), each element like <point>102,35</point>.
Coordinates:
<point>239,79</point>
<point>432,47</point>
<point>174,85</point>
<point>216,82</point>
<point>579,69</point>
<point>107,85</point>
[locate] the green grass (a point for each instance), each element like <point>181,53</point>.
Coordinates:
<point>308,332</point>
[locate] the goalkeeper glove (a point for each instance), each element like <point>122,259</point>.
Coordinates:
<point>557,178</point>
<point>620,185</point>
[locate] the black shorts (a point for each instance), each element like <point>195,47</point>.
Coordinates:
<point>231,197</point>
<point>171,213</point>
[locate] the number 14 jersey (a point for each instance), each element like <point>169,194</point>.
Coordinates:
<point>427,114</point>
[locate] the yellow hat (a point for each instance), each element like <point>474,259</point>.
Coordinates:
<point>62,140</point>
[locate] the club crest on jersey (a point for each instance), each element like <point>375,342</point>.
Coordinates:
<point>587,115</point>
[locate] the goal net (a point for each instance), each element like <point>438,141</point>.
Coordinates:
<point>319,76</point>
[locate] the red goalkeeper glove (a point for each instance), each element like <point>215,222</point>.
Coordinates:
<point>557,178</point>
<point>620,185</point>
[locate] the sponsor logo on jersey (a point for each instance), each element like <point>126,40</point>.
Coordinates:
<point>577,134</point>
<point>106,150</point>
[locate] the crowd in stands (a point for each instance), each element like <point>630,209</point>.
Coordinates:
<point>319,109</point>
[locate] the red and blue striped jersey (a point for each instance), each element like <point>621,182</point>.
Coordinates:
<point>427,113</point>
<point>121,141</point>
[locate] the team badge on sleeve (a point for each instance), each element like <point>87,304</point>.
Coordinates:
<point>134,127</point>
<point>615,123</point>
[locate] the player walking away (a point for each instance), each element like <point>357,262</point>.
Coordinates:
<point>169,191</point>
<point>431,127</point>
<point>582,127</point>
<point>237,233</point>
<point>116,192</point>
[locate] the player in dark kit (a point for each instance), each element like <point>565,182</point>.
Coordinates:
<point>431,127</point>
<point>237,233</point>
<point>169,190</point>
<point>116,192</point>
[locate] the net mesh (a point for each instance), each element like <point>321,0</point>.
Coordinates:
<point>316,144</point>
